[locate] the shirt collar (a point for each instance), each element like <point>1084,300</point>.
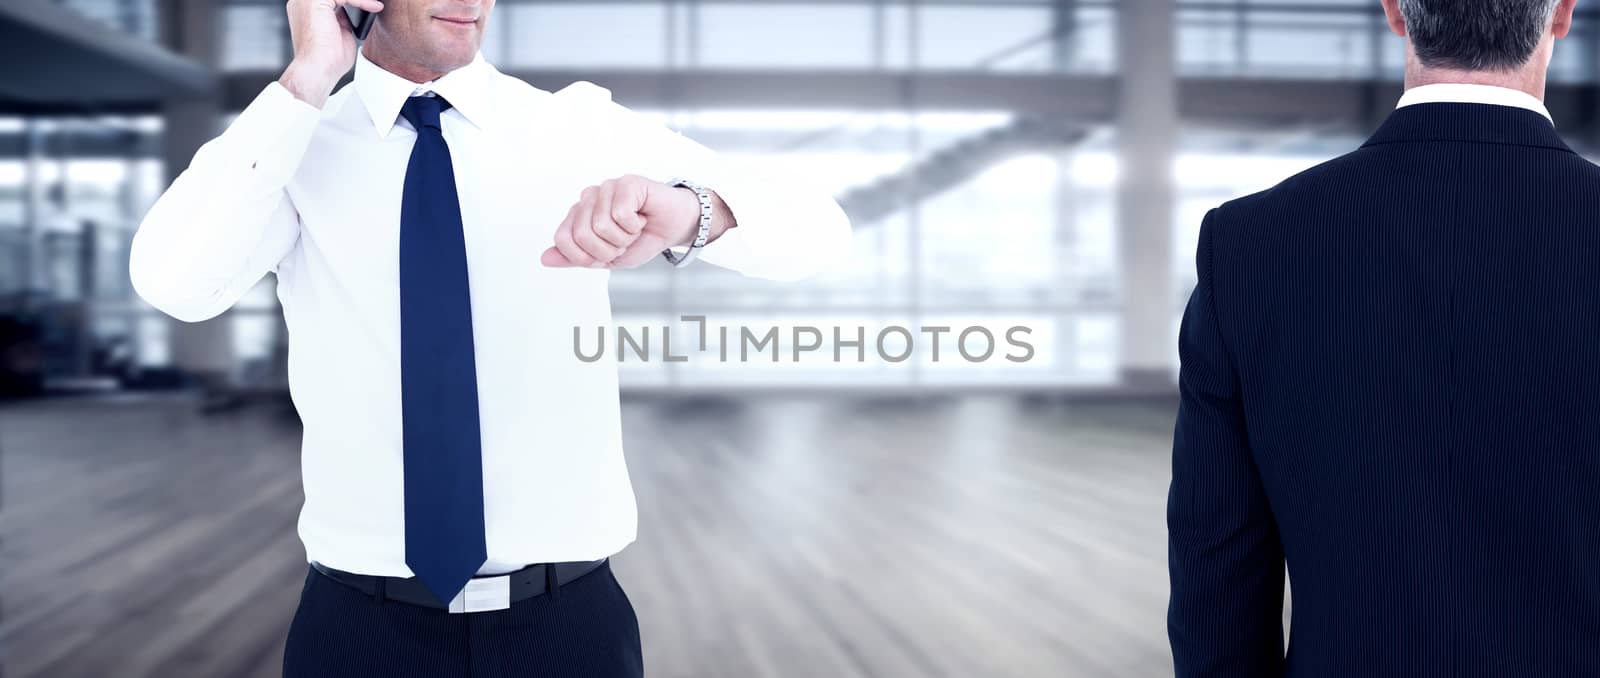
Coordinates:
<point>1473,94</point>
<point>383,93</point>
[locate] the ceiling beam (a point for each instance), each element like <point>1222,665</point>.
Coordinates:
<point>60,61</point>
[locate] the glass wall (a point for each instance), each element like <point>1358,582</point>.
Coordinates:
<point>68,208</point>
<point>1026,238</point>
<point>1024,242</point>
<point>1325,39</point>
<point>1009,35</point>
<point>1269,38</point>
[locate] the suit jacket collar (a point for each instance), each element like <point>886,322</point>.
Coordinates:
<point>1469,123</point>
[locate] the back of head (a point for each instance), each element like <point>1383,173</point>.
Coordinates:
<point>1476,35</point>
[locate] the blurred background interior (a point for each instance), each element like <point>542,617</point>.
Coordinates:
<point>1042,163</point>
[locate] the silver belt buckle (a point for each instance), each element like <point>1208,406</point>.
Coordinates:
<point>483,594</point>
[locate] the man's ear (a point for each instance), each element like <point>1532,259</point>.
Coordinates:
<point>1397,21</point>
<point>1561,23</point>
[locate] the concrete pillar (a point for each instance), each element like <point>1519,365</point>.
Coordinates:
<point>1068,279</point>
<point>1065,26</point>
<point>1591,131</point>
<point>1147,134</point>
<point>190,27</point>
<point>32,275</point>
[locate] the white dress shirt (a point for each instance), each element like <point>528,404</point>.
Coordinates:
<point>314,196</point>
<point>1464,93</point>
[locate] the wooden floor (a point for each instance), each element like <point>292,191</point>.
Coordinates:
<point>810,536</point>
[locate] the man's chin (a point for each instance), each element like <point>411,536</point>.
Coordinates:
<point>454,58</point>
<point>454,49</point>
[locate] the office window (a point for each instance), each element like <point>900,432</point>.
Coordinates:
<point>785,36</point>
<point>580,34</point>
<point>254,37</point>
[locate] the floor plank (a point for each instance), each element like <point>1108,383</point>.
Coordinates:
<point>808,536</point>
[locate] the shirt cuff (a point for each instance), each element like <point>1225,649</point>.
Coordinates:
<point>783,232</point>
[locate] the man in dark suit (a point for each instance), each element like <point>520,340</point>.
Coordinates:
<point>1391,384</point>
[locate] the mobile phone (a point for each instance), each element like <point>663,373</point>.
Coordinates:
<point>361,20</point>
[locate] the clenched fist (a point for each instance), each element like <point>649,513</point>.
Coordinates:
<point>627,221</point>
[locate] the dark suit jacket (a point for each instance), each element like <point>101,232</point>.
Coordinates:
<point>1391,382</point>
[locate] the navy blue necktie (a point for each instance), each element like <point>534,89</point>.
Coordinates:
<point>445,542</point>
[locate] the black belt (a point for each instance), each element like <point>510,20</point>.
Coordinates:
<point>481,593</point>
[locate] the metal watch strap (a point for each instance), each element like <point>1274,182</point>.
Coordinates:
<point>706,209</point>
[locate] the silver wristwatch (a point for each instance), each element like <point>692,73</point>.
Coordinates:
<point>704,194</point>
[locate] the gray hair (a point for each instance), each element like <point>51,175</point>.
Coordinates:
<point>1476,35</point>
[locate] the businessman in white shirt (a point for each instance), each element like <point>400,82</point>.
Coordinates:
<point>437,229</point>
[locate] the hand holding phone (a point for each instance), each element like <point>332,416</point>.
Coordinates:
<point>324,34</point>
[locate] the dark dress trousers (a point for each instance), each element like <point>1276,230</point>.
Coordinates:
<point>587,630</point>
<point>1391,385</point>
